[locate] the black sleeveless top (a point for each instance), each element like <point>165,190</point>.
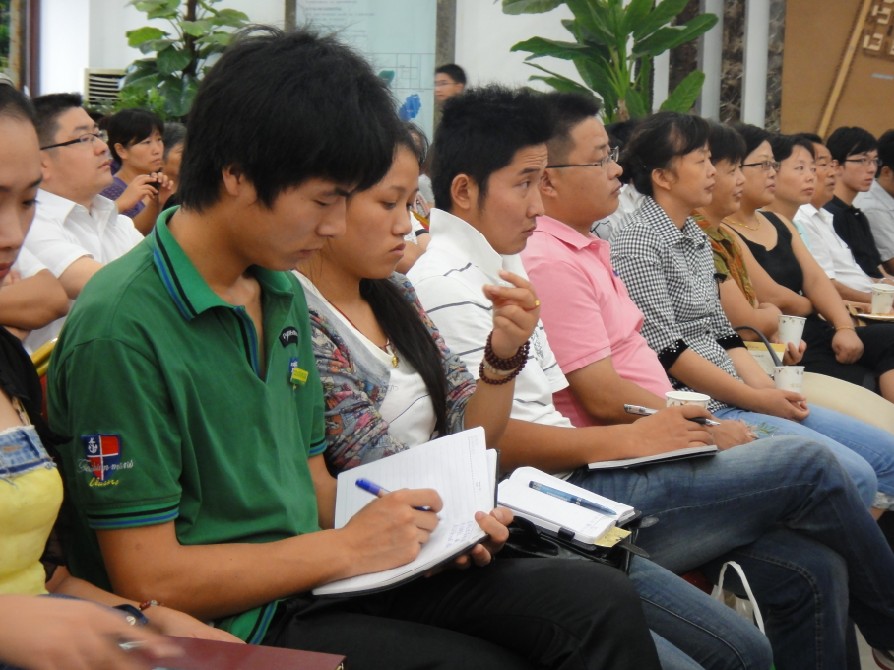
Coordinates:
<point>780,262</point>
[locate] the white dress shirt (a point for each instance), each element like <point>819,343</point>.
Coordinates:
<point>830,251</point>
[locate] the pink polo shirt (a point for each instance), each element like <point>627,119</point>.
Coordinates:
<point>587,312</point>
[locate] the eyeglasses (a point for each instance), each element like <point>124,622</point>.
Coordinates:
<point>864,161</point>
<point>611,157</point>
<point>765,166</point>
<point>87,138</point>
<point>831,164</point>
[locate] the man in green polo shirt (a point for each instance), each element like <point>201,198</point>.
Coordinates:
<point>185,381</point>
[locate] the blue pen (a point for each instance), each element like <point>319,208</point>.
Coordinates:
<point>379,491</point>
<point>569,498</point>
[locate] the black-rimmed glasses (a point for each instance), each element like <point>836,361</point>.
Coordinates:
<point>611,157</point>
<point>86,138</point>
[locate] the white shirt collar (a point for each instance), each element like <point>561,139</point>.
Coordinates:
<point>55,207</point>
<point>462,239</point>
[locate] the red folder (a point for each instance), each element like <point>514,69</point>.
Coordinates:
<point>215,655</point>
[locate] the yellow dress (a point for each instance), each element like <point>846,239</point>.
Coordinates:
<point>30,497</point>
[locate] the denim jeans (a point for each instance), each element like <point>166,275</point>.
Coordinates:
<point>692,630</point>
<point>852,441</point>
<point>770,494</point>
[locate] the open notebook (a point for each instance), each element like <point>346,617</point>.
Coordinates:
<point>463,472</point>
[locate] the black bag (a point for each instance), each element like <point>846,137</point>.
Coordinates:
<point>526,540</point>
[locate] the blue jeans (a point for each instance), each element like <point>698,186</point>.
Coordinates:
<point>692,630</point>
<point>765,497</point>
<point>855,443</point>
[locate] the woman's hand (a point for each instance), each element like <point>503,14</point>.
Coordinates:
<point>731,434</point>
<point>516,312</point>
<point>793,354</point>
<point>495,525</point>
<point>847,345</point>
<point>44,633</point>
<point>140,188</point>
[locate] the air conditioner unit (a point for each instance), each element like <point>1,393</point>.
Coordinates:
<point>102,87</point>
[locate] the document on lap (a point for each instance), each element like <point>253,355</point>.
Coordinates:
<point>463,472</point>
<point>560,508</point>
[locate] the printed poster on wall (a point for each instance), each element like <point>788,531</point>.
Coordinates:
<point>398,38</point>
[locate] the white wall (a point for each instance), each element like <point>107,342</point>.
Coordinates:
<point>77,34</point>
<point>484,36</point>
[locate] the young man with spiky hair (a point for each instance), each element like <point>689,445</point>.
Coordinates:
<point>186,381</point>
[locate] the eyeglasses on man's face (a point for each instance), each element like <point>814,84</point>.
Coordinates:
<point>765,166</point>
<point>827,163</point>
<point>865,161</point>
<point>85,139</point>
<point>611,157</point>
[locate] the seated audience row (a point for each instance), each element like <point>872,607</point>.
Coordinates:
<point>230,377</point>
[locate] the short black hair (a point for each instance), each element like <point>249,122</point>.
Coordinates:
<point>480,132</point>
<point>174,134</point>
<point>15,105</point>
<point>886,149</point>
<point>418,142</point>
<point>130,126</point>
<point>657,140</point>
<point>283,108</point>
<point>48,109</point>
<point>784,145</point>
<point>812,137</point>
<point>725,143</point>
<point>569,110</point>
<point>454,71</point>
<point>849,140</point>
<point>753,135</point>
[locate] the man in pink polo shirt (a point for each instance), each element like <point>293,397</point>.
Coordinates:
<point>592,324</point>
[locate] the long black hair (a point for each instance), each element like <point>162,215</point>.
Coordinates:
<point>398,317</point>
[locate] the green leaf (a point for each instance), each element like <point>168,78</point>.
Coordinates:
<point>216,40</point>
<point>540,46</point>
<point>153,46</point>
<point>230,18</point>
<point>683,97</point>
<point>594,18</point>
<point>637,104</point>
<point>530,6</point>
<point>635,14</point>
<point>564,85</point>
<point>172,60</point>
<point>158,9</point>
<point>178,94</point>
<point>137,37</point>
<point>197,28</point>
<point>673,36</point>
<point>664,12</point>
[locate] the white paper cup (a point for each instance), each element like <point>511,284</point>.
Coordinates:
<point>790,329</point>
<point>677,398</point>
<point>789,377</point>
<point>882,298</point>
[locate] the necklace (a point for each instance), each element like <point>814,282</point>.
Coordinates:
<point>387,348</point>
<point>729,220</point>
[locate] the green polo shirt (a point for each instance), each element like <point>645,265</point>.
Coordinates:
<point>171,416</point>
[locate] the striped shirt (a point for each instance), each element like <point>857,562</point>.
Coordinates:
<point>448,278</point>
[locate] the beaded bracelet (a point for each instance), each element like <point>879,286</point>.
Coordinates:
<point>502,379</point>
<point>516,361</point>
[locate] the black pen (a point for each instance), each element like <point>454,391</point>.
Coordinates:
<point>639,410</point>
